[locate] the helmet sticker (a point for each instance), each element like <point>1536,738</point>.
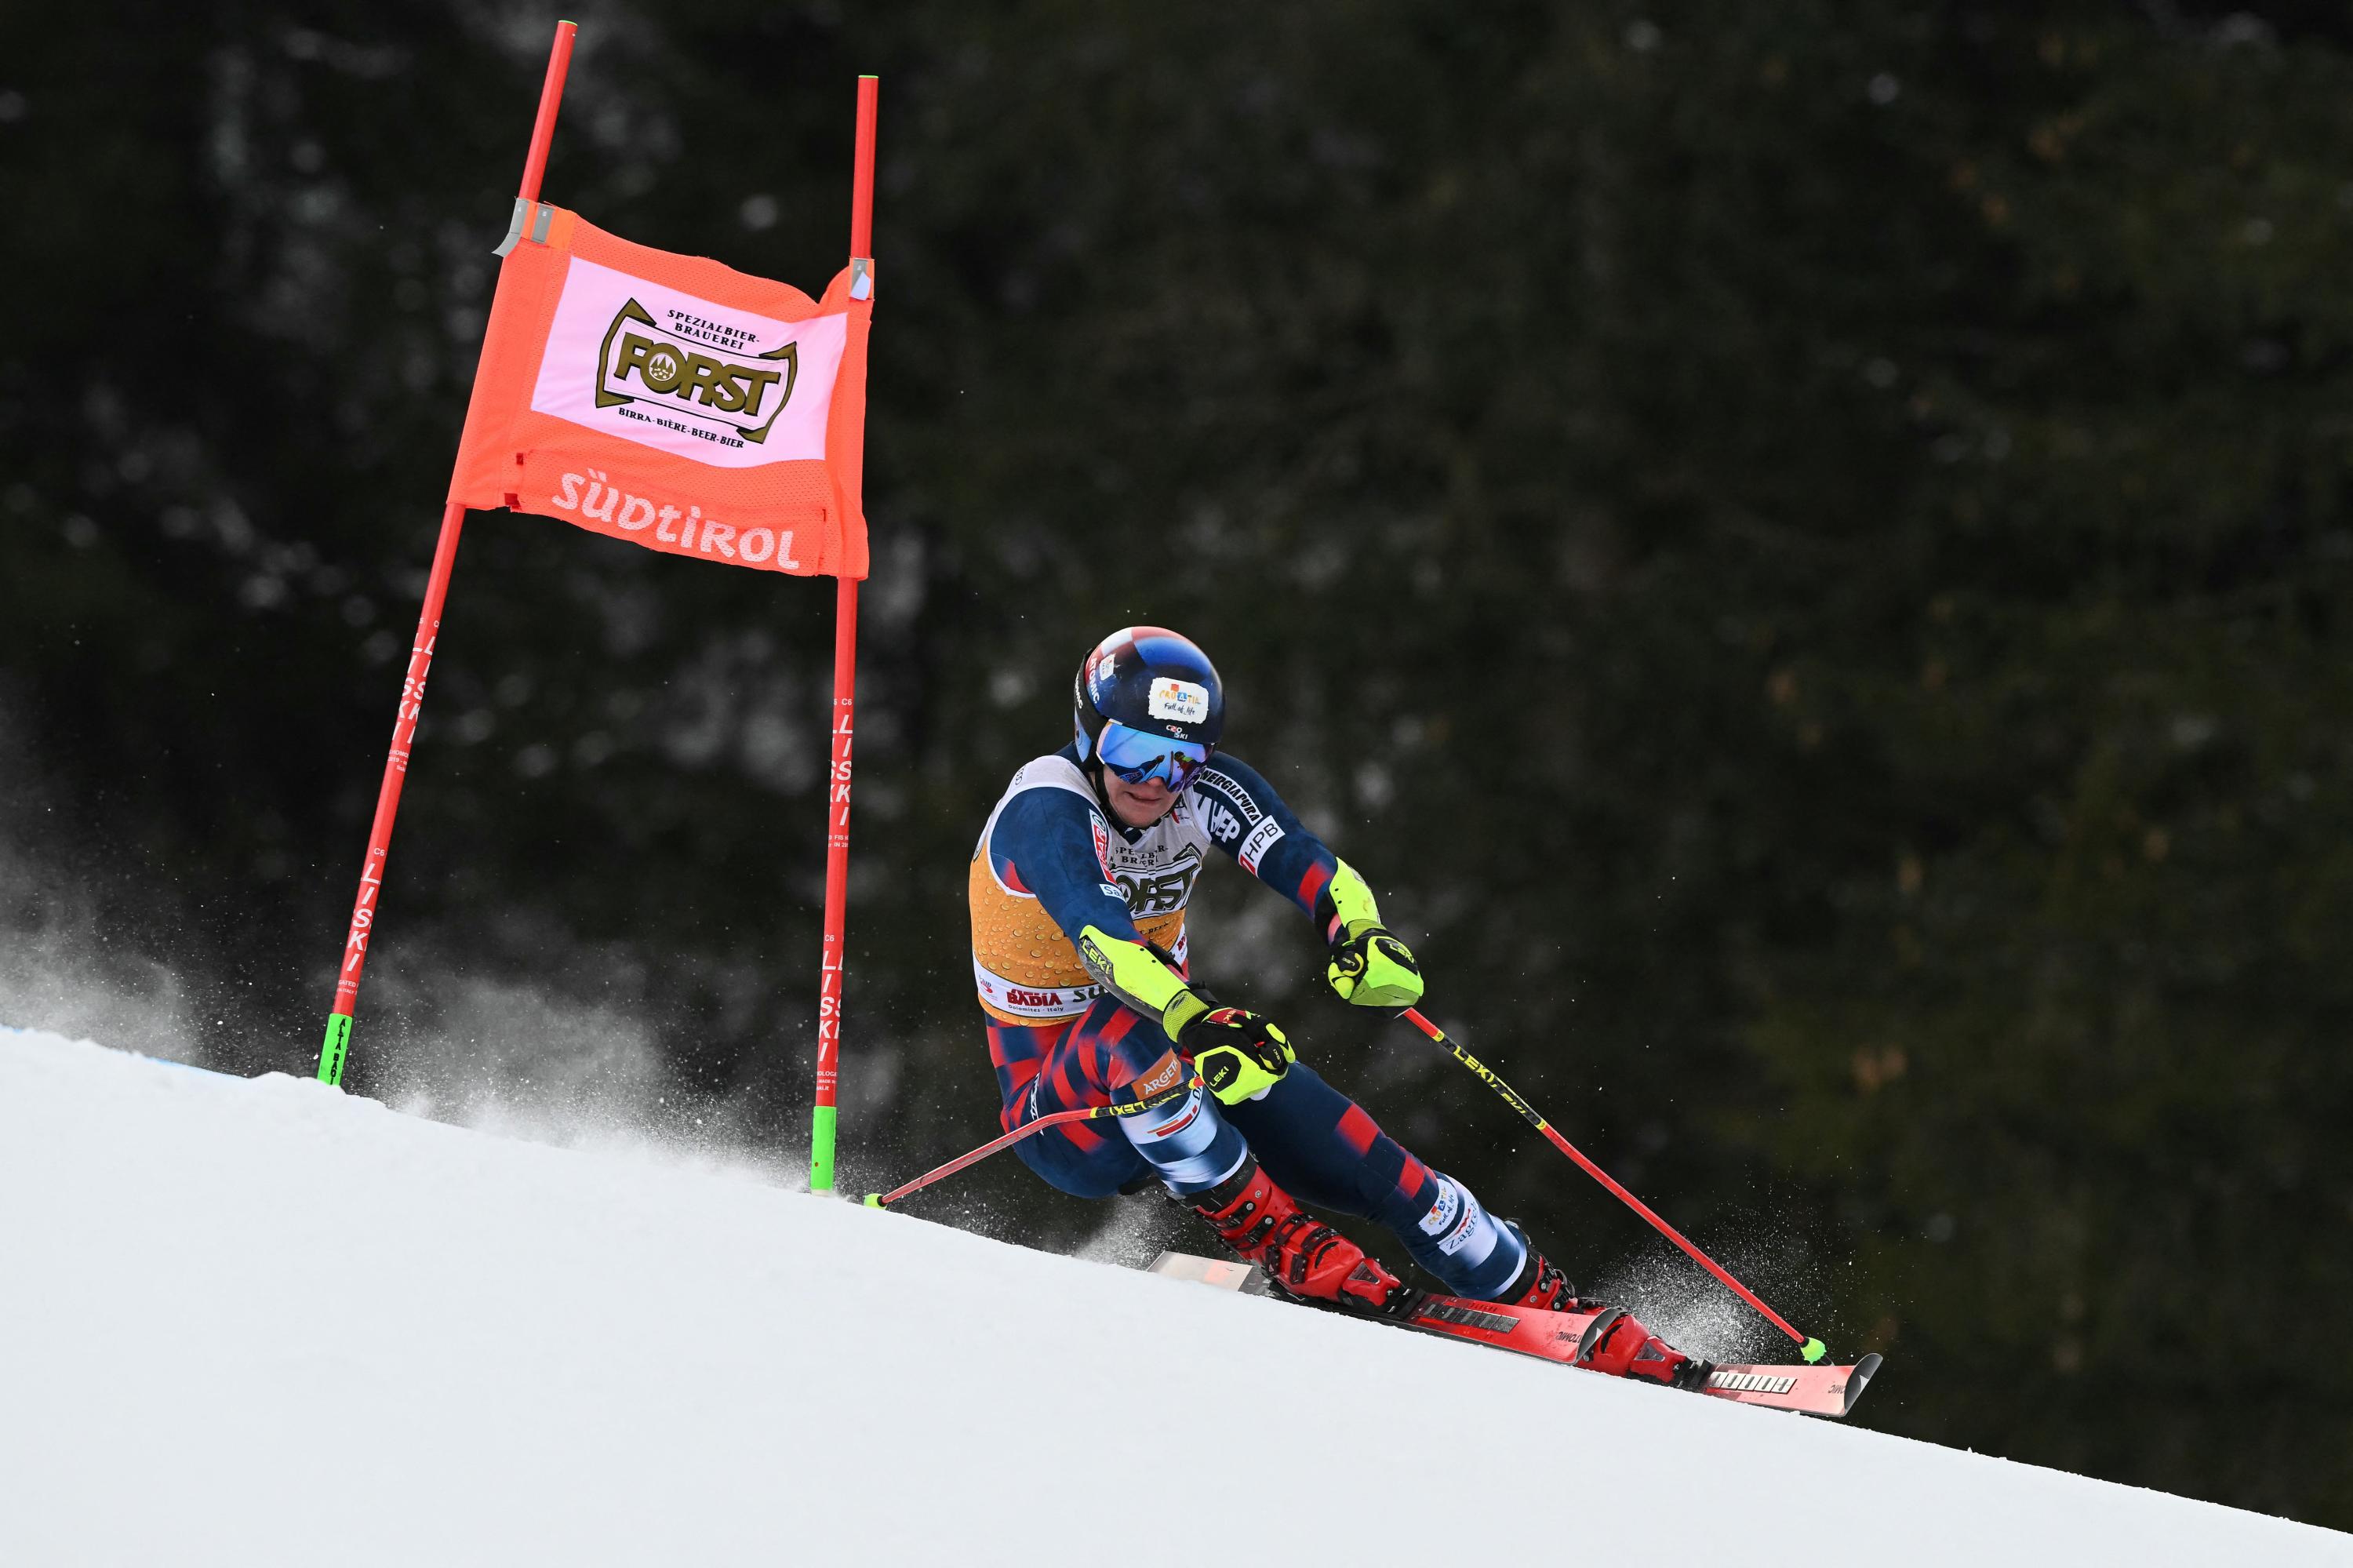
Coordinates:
<point>1184,702</point>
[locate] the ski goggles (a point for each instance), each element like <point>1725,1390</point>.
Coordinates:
<point>1138,755</point>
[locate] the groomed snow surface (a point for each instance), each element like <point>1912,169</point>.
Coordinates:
<point>261,1322</point>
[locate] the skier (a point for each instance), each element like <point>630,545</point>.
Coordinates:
<point>1079,891</point>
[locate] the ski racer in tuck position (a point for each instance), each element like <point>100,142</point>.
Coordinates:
<point>1079,890</point>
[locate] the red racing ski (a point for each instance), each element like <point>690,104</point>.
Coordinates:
<point>1573,1339</point>
<point>1570,1338</point>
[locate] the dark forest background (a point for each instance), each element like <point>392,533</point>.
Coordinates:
<point>1803,546</point>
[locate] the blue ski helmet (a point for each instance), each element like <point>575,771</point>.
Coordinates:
<point>1139,688</point>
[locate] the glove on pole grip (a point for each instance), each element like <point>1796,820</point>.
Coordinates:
<point>1239,1054</point>
<point>1369,967</point>
<point>1373,968</point>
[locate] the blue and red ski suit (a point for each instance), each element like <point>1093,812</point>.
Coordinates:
<point>1051,861</point>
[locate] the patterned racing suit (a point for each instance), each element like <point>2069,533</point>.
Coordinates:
<point>1051,861</point>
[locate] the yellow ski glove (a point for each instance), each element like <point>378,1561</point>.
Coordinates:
<point>1240,1054</point>
<point>1368,966</point>
<point>1373,968</point>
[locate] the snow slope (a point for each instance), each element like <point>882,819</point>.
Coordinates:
<point>261,1322</point>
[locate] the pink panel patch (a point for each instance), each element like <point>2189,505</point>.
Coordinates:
<point>1410,1180</point>
<point>1358,1130</point>
<point>673,330</point>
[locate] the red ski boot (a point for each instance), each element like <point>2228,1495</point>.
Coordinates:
<point>1616,1343</point>
<point>1305,1257</point>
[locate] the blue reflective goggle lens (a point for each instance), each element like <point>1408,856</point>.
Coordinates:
<point>1136,756</point>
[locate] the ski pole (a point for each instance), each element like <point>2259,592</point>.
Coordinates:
<point>1813,1350</point>
<point>1051,1118</point>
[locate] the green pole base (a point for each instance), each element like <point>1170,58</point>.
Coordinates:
<point>335,1049</point>
<point>874,1200</point>
<point>821,1121</point>
<point>1815,1350</point>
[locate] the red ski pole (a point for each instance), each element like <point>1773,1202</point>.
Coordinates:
<point>1051,1118</point>
<point>1813,1348</point>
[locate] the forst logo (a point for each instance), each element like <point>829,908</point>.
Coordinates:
<point>1159,894</point>
<point>742,393</point>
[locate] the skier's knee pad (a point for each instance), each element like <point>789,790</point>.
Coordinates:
<point>1186,1142</point>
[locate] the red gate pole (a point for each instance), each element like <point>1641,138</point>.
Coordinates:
<point>336,1048</point>
<point>845,693</point>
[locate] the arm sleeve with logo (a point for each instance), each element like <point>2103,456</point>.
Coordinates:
<point>1044,844</point>
<point>1248,820</point>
